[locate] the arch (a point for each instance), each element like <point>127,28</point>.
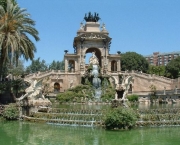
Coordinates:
<point>130,89</point>
<point>97,53</point>
<point>113,65</point>
<point>71,65</point>
<point>56,87</point>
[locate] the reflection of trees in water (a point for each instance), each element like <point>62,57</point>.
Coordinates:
<point>26,133</point>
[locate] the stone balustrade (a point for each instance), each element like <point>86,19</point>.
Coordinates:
<point>141,81</point>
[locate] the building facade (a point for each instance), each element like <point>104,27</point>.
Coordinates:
<point>95,39</point>
<point>158,59</point>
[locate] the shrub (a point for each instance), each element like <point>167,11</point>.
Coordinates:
<point>66,97</point>
<point>120,118</point>
<point>74,94</point>
<point>109,93</point>
<point>133,98</point>
<point>11,112</point>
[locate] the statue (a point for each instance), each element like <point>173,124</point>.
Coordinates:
<point>34,97</point>
<point>71,84</point>
<point>92,18</point>
<point>81,26</point>
<point>93,59</point>
<point>103,27</point>
<point>125,85</point>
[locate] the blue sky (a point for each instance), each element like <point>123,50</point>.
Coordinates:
<point>142,26</point>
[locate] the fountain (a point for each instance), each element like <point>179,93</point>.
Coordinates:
<point>122,91</point>
<point>33,100</point>
<point>95,73</point>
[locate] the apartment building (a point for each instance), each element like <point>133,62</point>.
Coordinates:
<point>158,58</point>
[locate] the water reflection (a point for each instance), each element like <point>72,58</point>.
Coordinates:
<point>24,133</point>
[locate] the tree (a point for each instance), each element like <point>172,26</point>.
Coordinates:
<point>4,3</point>
<point>133,61</point>
<point>37,65</point>
<point>158,70</point>
<point>57,65</point>
<point>15,27</point>
<point>60,65</point>
<point>53,65</point>
<point>16,70</point>
<point>173,68</point>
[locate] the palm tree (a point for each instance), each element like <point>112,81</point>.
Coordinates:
<point>15,27</point>
<point>4,3</point>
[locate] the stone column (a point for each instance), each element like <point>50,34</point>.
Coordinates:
<point>66,65</point>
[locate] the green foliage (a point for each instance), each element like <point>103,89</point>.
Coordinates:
<point>158,70</point>
<point>66,96</point>
<point>11,112</point>
<point>57,65</point>
<point>79,88</point>
<point>153,88</point>
<point>15,29</point>
<point>16,87</point>
<point>3,3</point>
<point>37,65</point>
<point>133,98</point>
<point>153,92</point>
<point>90,67</point>
<point>133,61</point>
<point>17,69</point>
<point>108,93</point>
<point>86,91</point>
<point>75,94</point>
<point>173,68</point>
<point>120,118</point>
<point>4,86</point>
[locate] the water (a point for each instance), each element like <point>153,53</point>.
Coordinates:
<point>82,106</point>
<point>106,106</point>
<point>25,133</point>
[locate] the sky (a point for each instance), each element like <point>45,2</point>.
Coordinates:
<point>141,26</point>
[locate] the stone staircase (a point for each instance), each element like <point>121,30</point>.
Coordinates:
<point>68,117</point>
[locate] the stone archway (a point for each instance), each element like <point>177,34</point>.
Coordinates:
<point>71,66</point>
<point>97,53</point>
<point>113,66</point>
<point>56,87</point>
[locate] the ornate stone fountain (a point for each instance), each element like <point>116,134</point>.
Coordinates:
<point>95,73</point>
<point>122,88</point>
<point>33,99</point>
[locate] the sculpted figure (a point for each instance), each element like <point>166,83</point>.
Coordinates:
<point>93,59</point>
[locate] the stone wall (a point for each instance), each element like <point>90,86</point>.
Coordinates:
<point>141,81</point>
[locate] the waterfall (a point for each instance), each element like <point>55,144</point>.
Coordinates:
<point>96,82</point>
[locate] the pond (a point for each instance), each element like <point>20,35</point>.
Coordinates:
<point>26,133</point>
